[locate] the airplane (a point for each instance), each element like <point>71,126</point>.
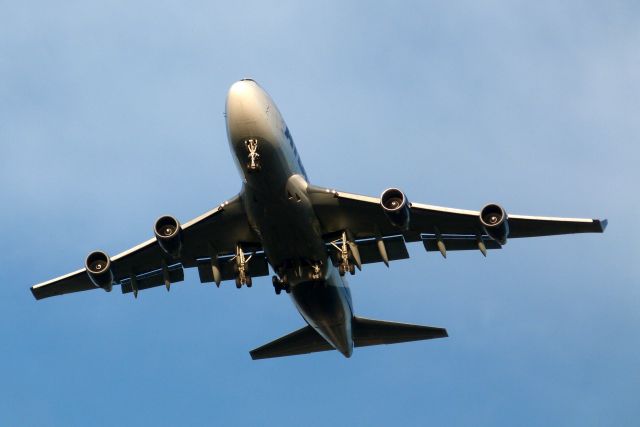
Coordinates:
<point>310,236</point>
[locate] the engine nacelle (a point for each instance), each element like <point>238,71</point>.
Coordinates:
<point>169,235</point>
<point>98,265</point>
<point>495,222</point>
<point>396,207</point>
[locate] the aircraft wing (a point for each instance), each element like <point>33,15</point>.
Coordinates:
<point>214,233</point>
<point>457,229</point>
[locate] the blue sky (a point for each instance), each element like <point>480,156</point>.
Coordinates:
<point>111,114</point>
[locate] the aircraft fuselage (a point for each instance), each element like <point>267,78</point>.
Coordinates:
<point>279,211</point>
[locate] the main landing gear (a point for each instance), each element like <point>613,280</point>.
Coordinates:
<point>342,269</point>
<point>241,268</point>
<point>344,255</point>
<point>302,270</point>
<point>280,285</point>
<point>254,158</point>
<point>316,272</point>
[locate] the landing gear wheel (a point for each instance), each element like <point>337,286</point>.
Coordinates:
<point>341,269</point>
<point>277,284</point>
<point>352,269</point>
<point>249,282</point>
<point>238,282</point>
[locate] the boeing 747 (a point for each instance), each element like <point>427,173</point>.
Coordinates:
<point>312,237</point>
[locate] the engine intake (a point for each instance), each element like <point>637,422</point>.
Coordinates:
<point>98,265</point>
<point>495,222</point>
<point>396,207</point>
<point>169,235</point>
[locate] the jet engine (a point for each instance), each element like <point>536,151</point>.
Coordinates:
<point>396,207</point>
<point>169,235</point>
<point>98,267</point>
<point>495,222</point>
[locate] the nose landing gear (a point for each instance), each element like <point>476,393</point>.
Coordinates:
<point>252,146</point>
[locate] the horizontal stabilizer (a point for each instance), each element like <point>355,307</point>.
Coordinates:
<point>374,332</point>
<point>365,332</point>
<point>302,341</point>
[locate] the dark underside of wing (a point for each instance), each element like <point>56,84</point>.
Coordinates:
<point>214,235</point>
<point>210,241</point>
<point>364,217</point>
<point>529,226</point>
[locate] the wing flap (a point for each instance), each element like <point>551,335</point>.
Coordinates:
<point>457,243</point>
<point>258,267</point>
<point>394,245</point>
<point>153,279</point>
<point>369,253</point>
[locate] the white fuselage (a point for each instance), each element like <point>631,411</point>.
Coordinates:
<point>278,209</point>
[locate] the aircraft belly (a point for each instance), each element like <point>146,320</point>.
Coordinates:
<point>291,236</point>
<point>326,306</point>
<point>280,212</point>
<point>284,218</point>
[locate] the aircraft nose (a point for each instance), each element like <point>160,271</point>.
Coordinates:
<point>244,102</point>
<point>249,112</point>
<point>241,89</point>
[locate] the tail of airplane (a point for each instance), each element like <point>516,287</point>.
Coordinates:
<point>365,332</point>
